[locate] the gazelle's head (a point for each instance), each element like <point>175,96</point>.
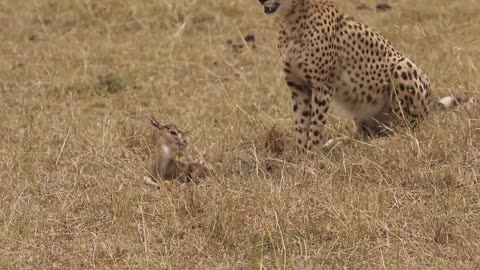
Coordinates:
<point>169,136</point>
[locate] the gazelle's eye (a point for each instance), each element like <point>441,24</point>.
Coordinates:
<point>173,132</point>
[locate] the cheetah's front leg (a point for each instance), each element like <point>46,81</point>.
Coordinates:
<point>322,97</point>
<point>302,99</point>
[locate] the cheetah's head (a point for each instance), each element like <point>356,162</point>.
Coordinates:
<point>271,7</point>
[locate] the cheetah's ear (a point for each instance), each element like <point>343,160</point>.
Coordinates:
<point>155,123</point>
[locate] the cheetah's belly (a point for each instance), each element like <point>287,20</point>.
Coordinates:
<point>360,99</point>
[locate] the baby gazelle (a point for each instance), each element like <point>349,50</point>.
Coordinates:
<point>168,141</point>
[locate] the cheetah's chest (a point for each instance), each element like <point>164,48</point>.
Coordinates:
<point>291,52</point>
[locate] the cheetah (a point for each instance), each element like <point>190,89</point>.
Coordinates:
<point>328,56</point>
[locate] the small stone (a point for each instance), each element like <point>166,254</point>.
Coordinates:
<point>383,7</point>
<point>249,38</point>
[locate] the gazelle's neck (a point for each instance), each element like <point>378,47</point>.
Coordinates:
<point>165,158</point>
<point>165,151</point>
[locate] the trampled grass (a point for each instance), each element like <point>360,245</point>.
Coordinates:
<point>79,77</point>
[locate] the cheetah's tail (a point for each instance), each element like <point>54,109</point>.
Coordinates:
<point>451,102</point>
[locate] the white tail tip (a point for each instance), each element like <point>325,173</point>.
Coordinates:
<point>447,102</point>
<point>451,102</point>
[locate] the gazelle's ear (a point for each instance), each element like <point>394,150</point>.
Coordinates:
<point>155,123</point>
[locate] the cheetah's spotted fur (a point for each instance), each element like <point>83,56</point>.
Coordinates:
<point>328,56</point>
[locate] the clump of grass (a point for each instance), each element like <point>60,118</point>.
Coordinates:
<point>111,83</point>
<point>72,163</point>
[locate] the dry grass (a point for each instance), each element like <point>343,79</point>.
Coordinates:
<point>78,78</point>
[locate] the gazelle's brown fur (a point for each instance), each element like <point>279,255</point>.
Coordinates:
<point>168,142</point>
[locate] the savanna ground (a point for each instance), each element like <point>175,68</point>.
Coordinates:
<point>79,77</point>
